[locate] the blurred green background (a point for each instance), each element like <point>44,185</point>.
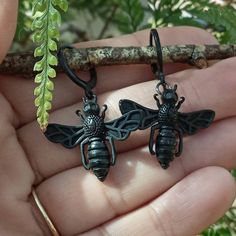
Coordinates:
<point>96,19</point>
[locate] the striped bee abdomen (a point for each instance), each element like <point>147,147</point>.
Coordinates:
<point>166,146</point>
<point>99,158</point>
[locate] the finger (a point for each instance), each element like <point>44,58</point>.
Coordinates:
<point>69,198</point>
<point>109,78</point>
<point>130,183</point>
<point>8,15</point>
<point>16,179</point>
<point>190,85</point>
<point>187,208</point>
<point>14,167</point>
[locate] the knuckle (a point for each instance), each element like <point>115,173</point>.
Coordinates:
<point>161,220</point>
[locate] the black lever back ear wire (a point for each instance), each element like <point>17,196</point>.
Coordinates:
<point>157,68</point>
<point>87,86</point>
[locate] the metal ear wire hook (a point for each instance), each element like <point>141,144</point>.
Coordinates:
<point>157,68</point>
<point>87,86</point>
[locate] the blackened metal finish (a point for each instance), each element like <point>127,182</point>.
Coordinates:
<point>166,145</point>
<point>87,86</point>
<point>99,157</point>
<point>170,123</point>
<point>157,68</point>
<point>95,133</point>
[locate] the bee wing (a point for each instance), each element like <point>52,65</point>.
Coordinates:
<point>150,116</point>
<point>191,122</point>
<point>120,128</point>
<point>68,136</point>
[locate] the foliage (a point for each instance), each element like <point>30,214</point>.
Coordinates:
<point>45,26</point>
<point>106,18</point>
<point>203,14</point>
<point>129,16</point>
<point>226,226</point>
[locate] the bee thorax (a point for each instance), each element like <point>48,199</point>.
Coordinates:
<point>94,126</point>
<point>167,115</point>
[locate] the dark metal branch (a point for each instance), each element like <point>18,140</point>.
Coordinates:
<point>86,58</point>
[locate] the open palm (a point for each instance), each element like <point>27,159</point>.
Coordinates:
<point>138,197</point>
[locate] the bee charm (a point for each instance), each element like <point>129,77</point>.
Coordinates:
<point>95,133</point>
<point>170,123</point>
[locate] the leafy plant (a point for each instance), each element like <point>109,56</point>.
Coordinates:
<point>46,33</point>
<point>204,14</point>
<point>226,226</point>
<point>129,16</point>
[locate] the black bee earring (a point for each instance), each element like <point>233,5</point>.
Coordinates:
<point>170,123</point>
<point>94,131</point>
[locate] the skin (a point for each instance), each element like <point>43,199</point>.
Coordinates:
<point>138,197</point>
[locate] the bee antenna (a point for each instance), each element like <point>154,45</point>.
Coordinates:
<point>155,96</point>
<point>78,113</point>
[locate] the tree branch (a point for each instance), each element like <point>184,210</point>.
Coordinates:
<point>85,58</point>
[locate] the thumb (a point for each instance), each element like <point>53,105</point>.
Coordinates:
<point>8,16</point>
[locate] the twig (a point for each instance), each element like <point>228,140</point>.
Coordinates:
<point>85,58</point>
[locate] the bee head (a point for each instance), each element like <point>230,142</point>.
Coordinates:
<point>170,95</point>
<point>91,108</point>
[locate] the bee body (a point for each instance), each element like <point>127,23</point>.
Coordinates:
<point>168,115</point>
<point>98,157</point>
<point>94,136</point>
<point>94,126</point>
<point>170,123</point>
<point>165,147</point>
<point>98,153</point>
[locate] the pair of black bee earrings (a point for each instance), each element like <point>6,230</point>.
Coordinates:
<point>96,133</point>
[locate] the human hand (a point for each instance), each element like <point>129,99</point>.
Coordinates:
<point>138,197</point>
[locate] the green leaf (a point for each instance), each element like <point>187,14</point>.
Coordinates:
<point>39,6</point>
<point>38,23</point>
<point>39,77</point>
<point>55,16</point>
<point>39,36</point>
<point>53,62</point>
<point>52,45</point>
<point>130,16</point>
<point>49,85</point>
<point>45,26</point>
<point>38,66</point>
<point>53,32</point>
<point>39,51</point>
<point>63,4</point>
<point>37,91</point>
<point>47,105</point>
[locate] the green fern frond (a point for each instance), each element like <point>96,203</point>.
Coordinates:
<point>202,13</point>
<point>46,35</point>
<point>129,16</point>
<point>226,226</point>
<point>221,20</point>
